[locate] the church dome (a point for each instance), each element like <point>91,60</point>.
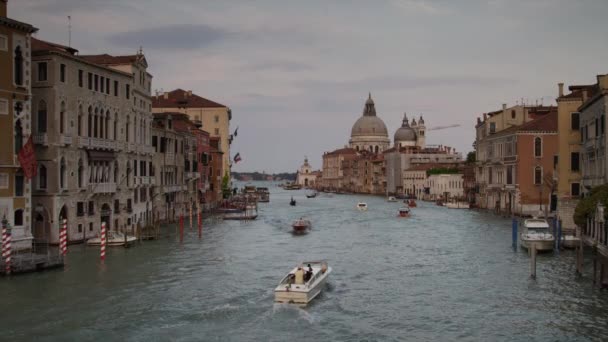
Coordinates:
<point>405,132</point>
<point>369,124</point>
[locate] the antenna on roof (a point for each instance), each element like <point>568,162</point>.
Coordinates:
<point>69,31</point>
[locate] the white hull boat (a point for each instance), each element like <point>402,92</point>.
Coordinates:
<point>296,288</point>
<point>457,205</point>
<point>113,239</point>
<point>536,232</point>
<point>570,241</point>
<point>391,199</point>
<point>362,206</point>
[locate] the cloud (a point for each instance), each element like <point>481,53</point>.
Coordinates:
<point>184,36</point>
<point>418,6</point>
<point>65,7</point>
<point>290,66</point>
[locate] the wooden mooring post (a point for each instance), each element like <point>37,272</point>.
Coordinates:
<point>514,233</point>
<point>533,260</point>
<point>579,256</point>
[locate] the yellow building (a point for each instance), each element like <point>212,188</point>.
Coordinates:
<point>15,125</point>
<point>569,163</point>
<point>214,117</point>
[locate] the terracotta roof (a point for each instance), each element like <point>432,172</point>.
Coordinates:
<point>180,98</point>
<point>41,45</point>
<point>106,59</point>
<point>428,166</point>
<point>546,123</point>
<point>21,26</point>
<point>346,150</point>
<point>576,91</point>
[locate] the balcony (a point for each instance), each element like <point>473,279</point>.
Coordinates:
<point>169,158</point>
<point>174,188</point>
<point>131,147</point>
<point>102,188</point>
<point>65,139</point>
<point>41,139</point>
<point>144,180</point>
<point>96,143</point>
<point>148,149</point>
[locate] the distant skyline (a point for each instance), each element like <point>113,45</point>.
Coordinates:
<point>296,74</point>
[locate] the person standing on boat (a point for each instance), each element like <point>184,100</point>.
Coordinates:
<point>308,274</point>
<point>300,276</point>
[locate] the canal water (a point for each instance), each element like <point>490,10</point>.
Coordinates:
<point>441,275</point>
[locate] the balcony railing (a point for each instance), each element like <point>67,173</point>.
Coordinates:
<point>66,139</point>
<point>97,143</point>
<point>144,180</point>
<point>41,139</point>
<point>102,188</point>
<point>169,158</point>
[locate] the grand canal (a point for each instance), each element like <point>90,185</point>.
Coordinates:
<point>441,275</point>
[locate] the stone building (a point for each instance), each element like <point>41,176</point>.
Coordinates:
<point>305,175</point>
<point>369,132</point>
<point>432,181</point>
<point>214,117</point>
<point>91,127</point>
<point>333,173</point>
<point>411,135</point>
<point>15,120</point>
<point>568,170</point>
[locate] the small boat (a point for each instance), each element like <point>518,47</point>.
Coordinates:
<point>362,206</point>
<point>570,241</point>
<point>113,239</point>
<point>263,194</point>
<point>536,231</point>
<point>292,202</point>
<point>312,195</point>
<point>412,203</point>
<point>391,199</point>
<point>404,212</point>
<point>301,226</point>
<point>303,283</point>
<point>242,216</point>
<point>439,203</point>
<point>457,205</point>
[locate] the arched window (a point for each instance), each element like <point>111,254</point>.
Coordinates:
<point>18,66</point>
<point>62,118</point>
<point>538,175</point>
<point>538,147</point>
<point>18,136</point>
<point>90,122</point>
<point>376,149</point>
<point>80,173</point>
<point>80,120</point>
<point>107,125</point>
<point>116,173</point>
<point>127,129</point>
<point>62,171</point>
<point>18,220</point>
<point>95,120</point>
<point>115,137</point>
<point>42,119</point>
<point>42,177</point>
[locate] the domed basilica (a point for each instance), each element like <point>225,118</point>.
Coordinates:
<point>369,132</point>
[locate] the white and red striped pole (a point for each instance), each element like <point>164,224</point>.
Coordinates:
<point>103,241</point>
<point>6,246</point>
<point>63,238</point>
<point>191,216</point>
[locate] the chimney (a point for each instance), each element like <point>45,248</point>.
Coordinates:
<point>602,81</point>
<point>189,93</point>
<point>504,106</point>
<point>166,95</point>
<point>3,11</point>
<point>560,87</point>
<point>584,95</point>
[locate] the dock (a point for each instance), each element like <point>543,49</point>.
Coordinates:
<point>32,262</point>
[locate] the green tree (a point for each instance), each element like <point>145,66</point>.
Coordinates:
<point>586,206</point>
<point>471,157</point>
<point>226,191</point>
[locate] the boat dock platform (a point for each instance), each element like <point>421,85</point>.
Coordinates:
<point>32,262</point>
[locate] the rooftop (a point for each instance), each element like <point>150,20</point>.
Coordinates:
<point>180,98</point>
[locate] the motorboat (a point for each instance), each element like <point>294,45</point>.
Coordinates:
<point>263,194</point>
<point>411,203</point>
<point>301,226</point>
<point>457,205</point>
<point>303,283</point>
<point>292,202</point>
<point>440,203</point>
<point>536,232</point>
<point>113,239</point>
<point>404,212</point>
<point>570,240</point>
<point>362,206</point>
<point>311,195</point>
<point>391,199</point>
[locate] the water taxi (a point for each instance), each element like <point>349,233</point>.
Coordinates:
<point>362,206</point>
<point>536,231</point>
<point>391,199</point>
<point>404,212</point>
<point>301,226</point>
<point>263,194</point>
<point>113,239</point>
<point>303,283</point>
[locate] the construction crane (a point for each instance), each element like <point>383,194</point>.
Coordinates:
<point>436,128</point>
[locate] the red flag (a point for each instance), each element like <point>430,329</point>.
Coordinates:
<point>27,159</point>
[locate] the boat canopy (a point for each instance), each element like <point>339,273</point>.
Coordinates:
<point>536,224</point>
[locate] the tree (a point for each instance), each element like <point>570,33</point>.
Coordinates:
<point>471,157</point>
<point>586,206</point>
<point>226,191</point>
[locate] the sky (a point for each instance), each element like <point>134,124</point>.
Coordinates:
<point>296,74</point>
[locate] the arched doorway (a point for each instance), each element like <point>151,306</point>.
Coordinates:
<point>42,225</point>
<point>63,214</point>
<point>305,181</point>
<point>105,215</point>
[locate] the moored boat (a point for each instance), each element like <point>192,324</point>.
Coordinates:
<point>113,239</point>
<point>263,194</point>
<point>301,226</point>
<point>404,212</point>
<point>457,205</point>
<point>439,203</point>
<point>570,241</point>
<point>303,283</point>
<point>362,206</point>
<point>536,232</point>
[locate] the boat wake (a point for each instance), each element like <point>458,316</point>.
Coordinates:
<point>302,314</point>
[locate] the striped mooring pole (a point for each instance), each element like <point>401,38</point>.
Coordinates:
<point>6,245</point>
<point>63,237</point>
<point>103,241</point>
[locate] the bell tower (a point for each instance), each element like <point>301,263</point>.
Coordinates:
<point>420,133</point>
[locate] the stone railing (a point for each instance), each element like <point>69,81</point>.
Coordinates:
<point>41,138</point>
<point>66,139</point>
<point>102,188</point>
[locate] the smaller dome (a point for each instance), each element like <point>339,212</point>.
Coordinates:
<point>405,132</point>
